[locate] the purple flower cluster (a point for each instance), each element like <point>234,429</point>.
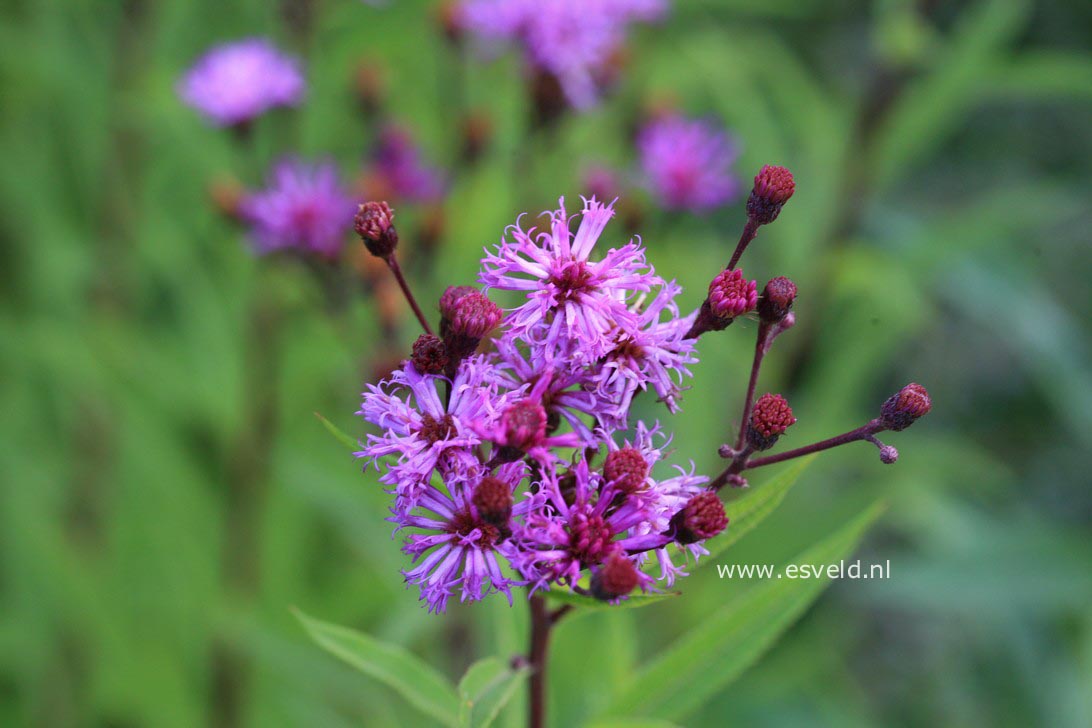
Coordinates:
<point>687,163</point>
<point>507,442</point>
<point>508,462</point>
<point>236,82</point>
<point>572,40</point>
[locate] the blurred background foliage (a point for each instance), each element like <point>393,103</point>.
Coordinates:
<point>167,494</point>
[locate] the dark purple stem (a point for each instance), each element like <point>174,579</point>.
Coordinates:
<point>749,399</point>
<point>750,230</point>
<point>396,269</point>
<point>864,432</point>
<point>541,622</point>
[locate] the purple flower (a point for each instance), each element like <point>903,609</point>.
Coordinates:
<point>573,304</point>
<point>302,207</point>
<point>236,82</point>
<point>521,429</point>
<point>575,523</point>
<point>660,500</point>
<point>456,541</point>
<point>686,163</point>
<point>573,40</point>
<point>653,352</point>
<point>399,162</point>
<point>424,435</point>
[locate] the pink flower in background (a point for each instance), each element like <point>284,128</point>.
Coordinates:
<point>573,40</point>
<point>236,82</point>
<point>403,169</point>
<point>303,207</point>
<point>687,163</point>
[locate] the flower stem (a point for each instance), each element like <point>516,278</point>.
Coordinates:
<point>396,269</point>
<point>541,623</point>
<point>750,230</point>
<point>864,432</point>
<point>749,399</point>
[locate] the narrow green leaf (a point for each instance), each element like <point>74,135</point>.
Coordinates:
<point>718,650</point>
<point>485,689</point>
<point>340,436</point>
<point>421,686</point>
<point>631,723</point>
<point>567,596</point>
<point>753,508</point>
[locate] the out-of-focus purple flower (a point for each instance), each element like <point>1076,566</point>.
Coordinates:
<point>602,182</point>
<point>303,206</point>
<point>573,40</point>
<point>235,82</point>
<point>398,160</point>
<point>573,304</point>
<point>686,163</point>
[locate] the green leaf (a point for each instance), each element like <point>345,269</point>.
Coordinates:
<point>718,650</point>
<point>935,104</point>
<point>421,686</point>
<point>631,723</point>
<point>567,596</point>
<point>753,507</point>
<point>340,436</point>
<point>485,689</point>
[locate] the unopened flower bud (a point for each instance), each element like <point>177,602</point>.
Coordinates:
<point>493,499</point>
<point>730,296</point>
<point>773,187</point>
<point>702,517</point>
<point>905,406</point>
<point>627,469</point>
<point>770,418</point>
<point>429,354</point>
<point>524,425</point>
<point>888,454</point>
<point>777,299</point>
<point>374,223</point>
<point>616,578</point>
<point>474,316</point>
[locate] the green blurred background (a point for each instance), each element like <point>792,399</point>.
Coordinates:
<point>168,495</point>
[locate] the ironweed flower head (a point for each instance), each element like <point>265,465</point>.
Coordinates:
<point>236,82</point>
<point>374,223</point>
<point>731,295</point>
<point>773,187</point>
<point>303,207</point>
<point>703,517</point>
<point>776,301</point>
<point>904,407</point>
<point>769,420</point>
<point>429,354</point>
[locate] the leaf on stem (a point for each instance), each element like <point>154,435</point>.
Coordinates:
<point>413,679</point>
